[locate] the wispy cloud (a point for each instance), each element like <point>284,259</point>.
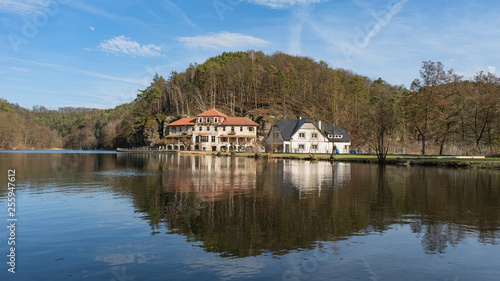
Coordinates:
<point>300,16</point>
<point>76,70</point>
<point>223,40</point>
<point>122,45</point>
<point>175,9</point>
<point>20,69</point>
<point>282,4</point>
<point>23,7</point>
<point>93,10</point>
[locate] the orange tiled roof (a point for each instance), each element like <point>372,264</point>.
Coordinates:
<point>190,121</point>
<point>238,121</point>
<point>211,112</point>
<point>228,121</point>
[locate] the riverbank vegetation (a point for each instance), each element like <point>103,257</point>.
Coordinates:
<point>395,159</point>
<point>442,113</point>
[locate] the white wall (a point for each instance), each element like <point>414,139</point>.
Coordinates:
<point>307,141</point>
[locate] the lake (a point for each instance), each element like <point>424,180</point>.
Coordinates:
<point>109,216</point>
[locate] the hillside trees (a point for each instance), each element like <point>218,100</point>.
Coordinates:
<point>444,112</point>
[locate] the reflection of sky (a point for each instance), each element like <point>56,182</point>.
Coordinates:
<point>228,269</point>
<point>388,256</point>
<point>82,227</point>
<point>120,259</point>
<point>122,173</point>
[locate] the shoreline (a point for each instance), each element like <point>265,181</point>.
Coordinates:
<point>472,162</point>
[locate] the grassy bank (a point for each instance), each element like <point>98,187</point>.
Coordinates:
<point>481,163</point>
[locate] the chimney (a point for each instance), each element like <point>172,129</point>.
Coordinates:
<point>319,125</point>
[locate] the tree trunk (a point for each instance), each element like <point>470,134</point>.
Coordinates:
<point>441,147</point>
<point>423,144</point>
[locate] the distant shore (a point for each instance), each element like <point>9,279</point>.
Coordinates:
<point>472,162</point>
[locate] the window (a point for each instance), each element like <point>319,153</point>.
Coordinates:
<point>338,136</point>
<point>204,138</point>
<point>314,146</point>
<point>208,128</point>
<point>241,129</point>
<point>216,119</point>
<point>314,135</point>
<point>302,135</point>
<point>232,129</point>
<point>330,136</point>
<point>201,128</point>
<point>224,128</point>
<point>213,138</point>
<point>250,129</point>
<point>301,146</point>
<point>197,139</point>
<point>200,119</point>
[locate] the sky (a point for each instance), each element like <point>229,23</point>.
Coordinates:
<point>98,54</point>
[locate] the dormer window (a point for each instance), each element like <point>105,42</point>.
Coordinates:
<point>216,119</point>
<point>330,136</point>
<point>338,136</point>
<point>200,119</point>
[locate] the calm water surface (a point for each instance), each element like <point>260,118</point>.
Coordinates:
<point>107,216</point>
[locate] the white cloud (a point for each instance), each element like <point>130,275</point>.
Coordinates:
<point>92,28</point>
<point>492,69</point>
<point>24,7</point>
<point>223,40</point>
<point>19,69</point>
<point>125,46</point>
<point>281,4</point>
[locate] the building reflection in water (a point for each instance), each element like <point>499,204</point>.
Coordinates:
<point>237,206</point>
<point>242,206</point>
<point>211,178</point>
<point>308,177</point>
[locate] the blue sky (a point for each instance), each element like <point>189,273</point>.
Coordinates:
<point>99,53</point>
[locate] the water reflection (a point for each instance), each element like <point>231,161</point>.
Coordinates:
<point>242,207</point>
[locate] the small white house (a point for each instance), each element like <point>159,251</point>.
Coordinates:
<point>303,136</point>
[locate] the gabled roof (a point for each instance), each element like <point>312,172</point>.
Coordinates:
<point>212,112</point>
<point>238,121</point>
<point>228,121</point>
<point>288,127</point>
<point>327,129</point>
<point>189,121</point>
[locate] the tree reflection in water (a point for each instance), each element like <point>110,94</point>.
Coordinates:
<point>240,206</point>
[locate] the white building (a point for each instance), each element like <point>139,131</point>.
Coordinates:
<point>303,136</point>
<point>212,131</point>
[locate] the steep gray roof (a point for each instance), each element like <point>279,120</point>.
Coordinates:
<point>327,129</point>
<point>288,127</point>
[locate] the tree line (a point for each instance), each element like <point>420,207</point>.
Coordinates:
<point>441,113</point>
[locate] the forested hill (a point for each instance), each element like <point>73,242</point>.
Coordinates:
<point>441,113</point>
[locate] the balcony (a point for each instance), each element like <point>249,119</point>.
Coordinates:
<point>232,133</point>
<point>185,132</point>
